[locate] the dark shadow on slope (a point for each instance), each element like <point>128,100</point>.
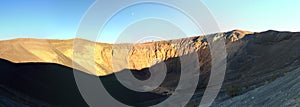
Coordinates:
<point>133,98</point>
<point>51,83</point>
<point>55,84</point>
<point>167,88</point>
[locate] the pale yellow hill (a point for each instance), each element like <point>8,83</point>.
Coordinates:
<point>96,58</point>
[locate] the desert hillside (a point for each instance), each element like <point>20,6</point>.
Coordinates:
<point>256,62</point>
<point>140,56</point>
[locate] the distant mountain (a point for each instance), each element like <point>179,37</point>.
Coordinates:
<point>254,59</point>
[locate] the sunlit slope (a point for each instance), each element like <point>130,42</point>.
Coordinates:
<point>98,58</point>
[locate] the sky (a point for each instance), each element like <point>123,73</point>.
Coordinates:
<point>59,19</point>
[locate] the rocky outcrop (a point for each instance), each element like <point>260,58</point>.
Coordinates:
<point>98,58</point>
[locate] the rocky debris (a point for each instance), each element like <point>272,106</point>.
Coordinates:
<point>283,92</point>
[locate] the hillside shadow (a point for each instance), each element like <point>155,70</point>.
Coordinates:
<point>51,83</point>
<point>165,90</point>
<point>55,84</point>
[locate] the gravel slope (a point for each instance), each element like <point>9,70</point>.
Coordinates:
<point>284,91</point>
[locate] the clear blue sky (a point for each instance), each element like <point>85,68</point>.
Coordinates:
<point>59,19</point>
